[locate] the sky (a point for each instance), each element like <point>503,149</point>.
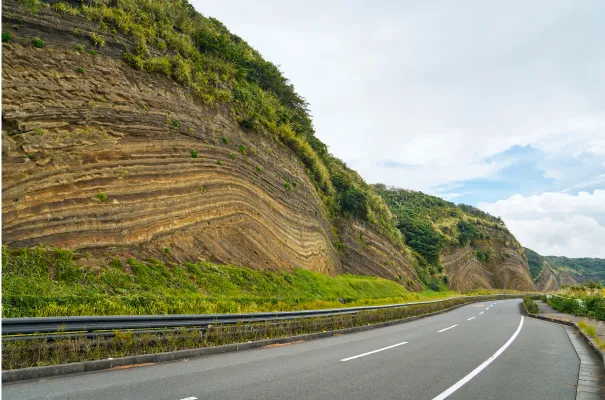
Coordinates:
<point>500,105</point>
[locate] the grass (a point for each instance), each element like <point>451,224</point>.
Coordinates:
<point>37,42</point>
<point>43,281</point>
<point>6,37</point>
<point>530,305</point>
<point>219,162</point>
<point>589,330</point>
<point>96,39</point>
<point>193,153</point>
<point>21,354</point>
<point>224,140</point>
<point>101,196</point>
<point>79,48</point>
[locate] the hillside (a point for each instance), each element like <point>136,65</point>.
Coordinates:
<point>470,247</point>
<point>144,130</point>
<point>564,270</point>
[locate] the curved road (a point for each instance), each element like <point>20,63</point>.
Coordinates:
<point>449,355</point>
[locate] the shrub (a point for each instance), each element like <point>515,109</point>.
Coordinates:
<point>76,32</point>
<point>97,40</point>
<point>224,140</point>
<point>243,150</point>
<point>101,196</point>
<point>193,153</point>
<point>233,155</point>
<point>80,70</point>
<point>37,42</point>
<point>64,8</point>
<point>530,305</point>
<point>287,186</point>
<point>219,162</point>
<point>589,330</point>
<point>93,52</point>
<point>79,48</point>
<point>175,124</point>
<point>33,6</point>
<point>259,169</point>
<point>6,37</point>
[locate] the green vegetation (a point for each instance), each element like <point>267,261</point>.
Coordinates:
<point>243,150</point>
<point>37,42</point>
<point>79,48</point>
<point>175,124</point>
<point>581,301</point>
<point>22,354</point>
<point>64,8</point>
<point>193,153</point>
<point>93,52</point>
<point>259,169</point>
<point>42,281</point>
<point>201,54</point>
<point>589,330</point>
<point>219,162</point>
<point>430,224</point>
<point>224,140</point>
<point>97,40</point>
<point>530,305</point>
<point>536,263</point>
<point>233,155</point>
<point>6,37</point>
<point>580,269</point>
<point>80,70</point>
<point>101,197</point>
<point>33,6</point>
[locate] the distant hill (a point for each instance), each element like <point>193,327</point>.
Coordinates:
<point>472,248</point>
<point>567,271</point>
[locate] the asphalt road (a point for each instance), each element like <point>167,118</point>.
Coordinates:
<point>448,355</point>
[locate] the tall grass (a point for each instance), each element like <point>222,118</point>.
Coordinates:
<point>589,330</point>
<point>21,354</point>
<point>42,281</point>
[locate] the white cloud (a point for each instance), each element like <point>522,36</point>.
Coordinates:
<point>439,88</point>
<point>556,223</point>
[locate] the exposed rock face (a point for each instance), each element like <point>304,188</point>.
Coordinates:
<point>366,252</point>
<point>109,159</point>
<point>507,268</point>
<point>547,282</point>
<point>85,134</point>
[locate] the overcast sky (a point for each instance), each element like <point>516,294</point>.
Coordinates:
<point>496,104</point>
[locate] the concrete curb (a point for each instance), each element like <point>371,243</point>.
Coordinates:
<point>586,338</point>
<point>24,374</point>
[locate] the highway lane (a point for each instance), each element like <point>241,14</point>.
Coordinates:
<point>421,359</point>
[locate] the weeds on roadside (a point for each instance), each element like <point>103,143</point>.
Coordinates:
<point>21,354</point>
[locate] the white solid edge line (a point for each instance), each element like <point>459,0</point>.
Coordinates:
<point>481,312</point>
<point>470,318</point>
<point>373,351</point>
<point>481,367</point>
<point>443,330</point>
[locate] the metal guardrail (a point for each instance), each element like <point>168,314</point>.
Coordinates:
<point>49,327</point>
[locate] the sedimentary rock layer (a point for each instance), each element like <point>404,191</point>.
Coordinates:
<point>103,158</point>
